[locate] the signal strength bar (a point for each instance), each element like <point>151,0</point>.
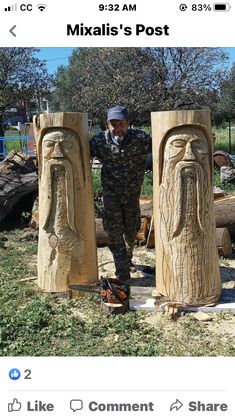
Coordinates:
<point>12,8</point>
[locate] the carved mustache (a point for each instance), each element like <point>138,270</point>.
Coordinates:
<point>184,170</point>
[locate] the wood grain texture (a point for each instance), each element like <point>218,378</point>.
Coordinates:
<point>187,268</point>
<point>67,243</point>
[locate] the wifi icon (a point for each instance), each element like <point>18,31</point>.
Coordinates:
<point>41,7</point>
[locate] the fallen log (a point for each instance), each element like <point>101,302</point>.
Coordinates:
<point>225,213</point>
<point>18,178</point>
<point>101,235</point>
<point>146,206</point>
<point>223,242</point>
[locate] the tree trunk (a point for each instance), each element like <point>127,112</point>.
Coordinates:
<point>186,255</point>
<point>67,247</point>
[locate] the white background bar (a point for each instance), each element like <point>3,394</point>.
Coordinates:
<point>200,27</point>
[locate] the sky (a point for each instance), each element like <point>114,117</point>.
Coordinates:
<point>55,57</point>
<point>59,56</point>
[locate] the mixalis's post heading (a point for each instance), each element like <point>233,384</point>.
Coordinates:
<point>105,29</point>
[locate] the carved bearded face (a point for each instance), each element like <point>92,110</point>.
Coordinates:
<point>185,177</point>
<point>59,144</point>
<point>189,145</point>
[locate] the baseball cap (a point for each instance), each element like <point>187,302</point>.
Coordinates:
<point>118,113</point>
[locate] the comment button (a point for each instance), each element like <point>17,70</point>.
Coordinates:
<point>76,405</point>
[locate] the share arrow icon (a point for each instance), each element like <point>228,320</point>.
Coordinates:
<point>176,405</point>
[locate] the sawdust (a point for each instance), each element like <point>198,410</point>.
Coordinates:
<point>219,323</point>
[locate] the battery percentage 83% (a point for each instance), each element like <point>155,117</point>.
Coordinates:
<point>201,8</point>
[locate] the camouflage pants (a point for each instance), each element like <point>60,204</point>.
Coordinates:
<point>121,222</point>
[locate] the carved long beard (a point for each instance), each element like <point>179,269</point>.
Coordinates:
<point>189,210</point>
<point>184,231</point>
<point>53,168</point>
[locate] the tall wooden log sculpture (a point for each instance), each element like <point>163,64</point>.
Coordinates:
<point>67,243</point>
<point>187,267</point>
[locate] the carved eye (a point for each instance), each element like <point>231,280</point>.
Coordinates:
<point>49,144</point>
<point>179,143</point>
<point>200,146</point>
<point>198,142</point>
<point>67,145</point>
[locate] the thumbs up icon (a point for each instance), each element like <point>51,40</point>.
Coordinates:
<point>15,406</point>
<point>14,374</point>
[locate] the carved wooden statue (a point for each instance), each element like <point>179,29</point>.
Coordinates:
<point>67,242</point>
<point>187,268</point>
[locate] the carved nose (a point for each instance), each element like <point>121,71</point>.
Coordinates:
<point>57,153</point>
<point>189,155</point>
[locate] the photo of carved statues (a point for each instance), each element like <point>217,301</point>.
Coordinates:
<point>117,201</point>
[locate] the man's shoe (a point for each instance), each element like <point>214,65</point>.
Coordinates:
<point>133,268</point>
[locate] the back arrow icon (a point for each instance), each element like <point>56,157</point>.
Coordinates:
<point>12,30</point>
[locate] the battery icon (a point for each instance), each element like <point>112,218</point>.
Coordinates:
<point>222,7</point>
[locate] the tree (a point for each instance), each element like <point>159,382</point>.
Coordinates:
<point>23,79</point>
<point>142,79</point>
<point>225,110</point>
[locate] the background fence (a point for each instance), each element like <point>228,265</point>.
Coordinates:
<point>25,144</point>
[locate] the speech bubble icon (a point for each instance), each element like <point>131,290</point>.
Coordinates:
<point>76,405</point>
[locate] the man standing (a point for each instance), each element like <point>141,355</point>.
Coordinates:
<point>122,152</point>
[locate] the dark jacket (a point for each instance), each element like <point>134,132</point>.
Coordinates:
<point>123,166</point>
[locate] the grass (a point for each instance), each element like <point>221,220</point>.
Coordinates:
<point>12,144</point>
<point>222,139</point>
<point>34,324</point>
<point>222,143</point>
<point>96,180</point>
<point>147,186</point>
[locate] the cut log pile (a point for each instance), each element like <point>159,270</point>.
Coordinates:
<point>18,178</point>
<point>225,225</point>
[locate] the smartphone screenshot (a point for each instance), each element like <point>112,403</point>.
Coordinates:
<point>117,209</point>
